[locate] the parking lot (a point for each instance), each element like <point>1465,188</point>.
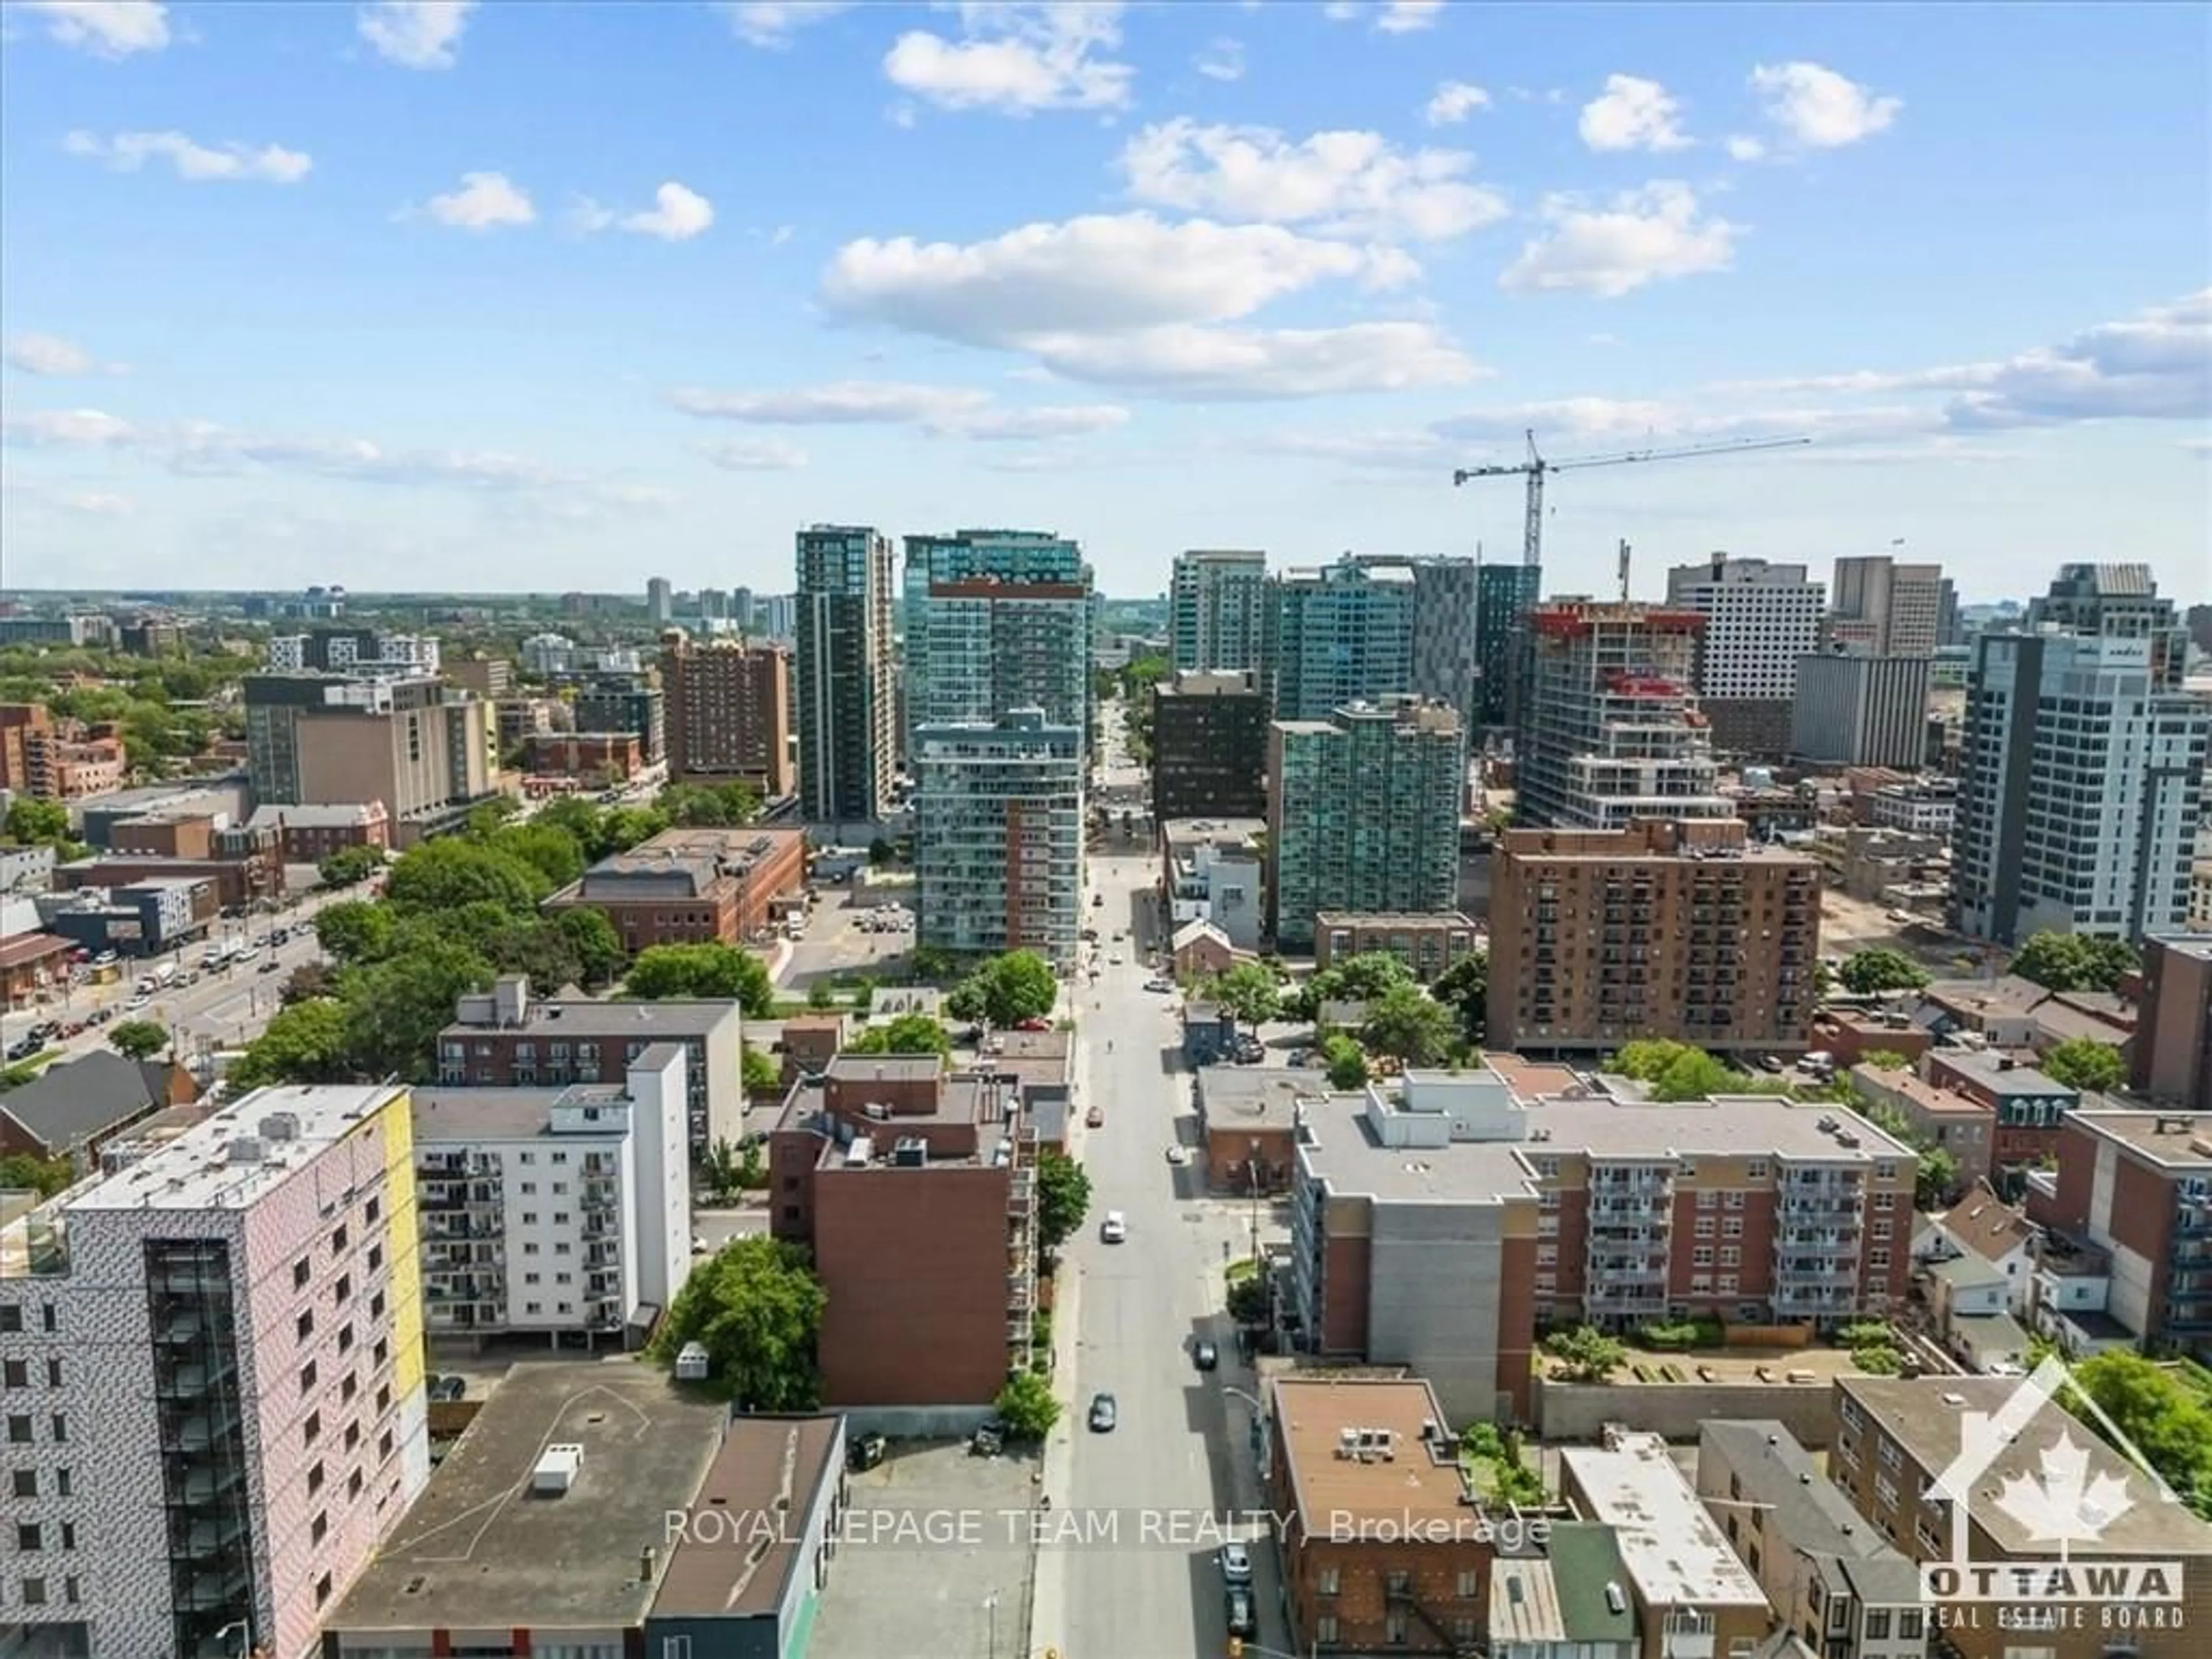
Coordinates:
<point>839,945</point>
<point>938,1563</point>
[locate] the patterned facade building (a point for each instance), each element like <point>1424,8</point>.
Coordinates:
<point>1217,606</point>
<point>214,1406</point>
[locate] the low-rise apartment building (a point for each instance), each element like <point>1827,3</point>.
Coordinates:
<point>1923,1459</point>
<point>915,1189</point>
<point>504,1038</point>
<point>309,835</point>
<point>1834,1580</point>
<point>595,757</point>
<point>1427,945</point>
<point>1566,1602</point>
<point>1943,1118</point>
<point>213,1396</point>
<point>693,886</point>
<point>1681,930</point>
<point>2030,1108</point>
<point>231,882</point>
<point>1248,1120</point>
<point>1691,1598</point>
<point>560,1214</point>
<point>1212,871</point>
<point>1383,1550</point>
<point>2170,1061</point>
<point>2138,1186</point>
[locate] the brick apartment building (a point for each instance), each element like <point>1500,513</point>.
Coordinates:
<point>693,886</point>
<point>505,1038</point>
<point>1664,929</point>
<point>232,882</point>
<point>2029,1108</point>
<point>1382,1549</point>
<point>57,760</point>
<point>1427,945</point>
<point>728,714</point>
<point>593,756</point>
<point>311,834</point>
<point>2138,1186</point>
<point>916,1191</point>
<point>1248,1119</point>
<point>2171,1059</point>
<point>1960,1124</point>
<point>1897,1454</point>
<point>1688,1592</point>
<point>1439,1224</point>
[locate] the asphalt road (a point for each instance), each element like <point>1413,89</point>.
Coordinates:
<point>1179,1460</point>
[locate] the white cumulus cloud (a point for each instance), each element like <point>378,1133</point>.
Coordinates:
<point>485,201</point>
<point>1453,102</point>
<point>1017,58</point>
<point>1819,109</point>
<point>1409,16</point>
<point>197,163</point>
<point>1642,236</point>
<point>1632,113</point>
<point>754,455</point>
<point>1341,182</point>
<point>52,357</point>
<point>420,34</point>
<point>106,28</point>
<point>943,411</point>
<point>677,214</point>
<point>1222,60</point>
<point>1744,148</point>
<point>772,24</point>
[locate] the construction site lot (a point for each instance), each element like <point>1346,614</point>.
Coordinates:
<point>1850,925</point>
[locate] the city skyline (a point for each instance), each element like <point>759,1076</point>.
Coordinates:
<point>1154,277</point>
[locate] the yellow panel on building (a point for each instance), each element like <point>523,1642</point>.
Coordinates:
<point>396,1120</point>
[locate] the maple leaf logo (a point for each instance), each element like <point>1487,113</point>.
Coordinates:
<point>2064,1504</point>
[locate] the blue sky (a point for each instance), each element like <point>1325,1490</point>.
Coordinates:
<point>514,296</point>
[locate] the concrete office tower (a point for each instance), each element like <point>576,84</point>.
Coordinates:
<point>1209,748</point>
<point>360,653</point>
<point>998,620</point>
<point>729,713</point>
<point>741,609</point>
<point>1342,633</point>
<point>556,1212</point>
<point>1363,814</point>
<point>215,1404</point>
<point>1854,710</point>
<point>1683,931</point>
<point>421,747</point>
<point>1445,667</point>
<point>659,601</point>
<point>846,675</point>
<point>1217,604</point>
<point>1609,730</point>
<point>626,702</point>
<point>998,836</point>
<point>1504,595</point>
<point>2080,787</point>
<point>1885,609</point>
<point>2117,601</point>
<point>1759,619</point>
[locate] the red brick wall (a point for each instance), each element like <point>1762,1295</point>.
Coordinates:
<point>1344,1316</point>
<point>1517,1324</point>
<point>1361,1603</point>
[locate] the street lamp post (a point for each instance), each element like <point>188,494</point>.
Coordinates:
<point>991,1611</point>
<point>1255,1199</point>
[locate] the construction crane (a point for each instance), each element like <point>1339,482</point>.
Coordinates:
<point>1535,467</point>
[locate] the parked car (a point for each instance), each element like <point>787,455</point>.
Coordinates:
<point>1102,1413</point>
<point>1236,1564</point>
<point>269,965</point>
<point>1238,1609</point>
<point>1159,984</point>
<point>448,1389</point>
<point>1034,1025</point>
<point>1114,1229</point>
<point>864,1452</point>
<point>1205,1355</point>
<point>1095,1118</point>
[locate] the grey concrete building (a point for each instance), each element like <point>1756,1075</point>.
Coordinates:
<point>1217,604</point>
<point>1760,619</point>
<point>998,839</point>
<point>1852,710</point>
<point>844,674</point>
<point>1883,608</point>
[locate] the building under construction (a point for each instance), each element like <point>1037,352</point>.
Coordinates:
<point>1610,731</point>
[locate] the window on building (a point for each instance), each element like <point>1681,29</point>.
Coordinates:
<point>315,1478</point>
<point>318,1529</point>
<point>11,1321</point>
<point>27,1537</point>
<point>300,1272</point>
<point>1877,1623</point>
<point>16,1373</point>
<point>304,1326</point>
<point>26,1483</point>
<point>34,1592</point>
<point>307,1376</point>
<point>338,1242</point>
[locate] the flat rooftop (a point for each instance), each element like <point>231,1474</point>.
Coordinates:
<point>647,1021</point>
<point>479,1551</point>
<point>1313,1414</point>
<point>760,1486</point>
<point>1530,1079</point>
<point>1774,1472</point>
<point>1340,1148</point>
<point>1673,1551</point>
<point>1263,1098</point>
<point>1725,1124</point>
<point>2174,1139</point>
<point>2196,947</point>
<point>195,1172</point>
<point>1182,834</point>
<point>1422,921</point>
<point>1909,1085</point>
<point>2001,1073</point>
<point>1927,1418</point>
<point>472,1114</point>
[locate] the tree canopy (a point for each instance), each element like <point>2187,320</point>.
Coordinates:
<point>2161,1416</point>
<point>708,971</point>
<point>1006,990</point>
<point>1588,1354</point>
<point>1026,1406</point>
<point>1464,987</point>
<point>1063,1199</point>
<point>1677,1071</point>
<point>2075,962</point>
<point>755,1306</point>
<point>1407,1024</point>
<point>1248,991</point>
<point>138,1039</point>
<point>2084,1063</point>
<point>907,1033</point>
<point>349,866</point>
<point>1868,972</point>
<point>1344,1061</point>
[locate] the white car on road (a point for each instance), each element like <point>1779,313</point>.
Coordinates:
<point>1116,1227</point>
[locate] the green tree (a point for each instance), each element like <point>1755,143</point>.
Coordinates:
<point>355,931</point>
<point>2167,1421</point>
<point>1407,1024</point>
<point>307,1042</point>
<point>821,993</point>
<point>536,947</point>
<point>1867,973</point>
<point>2084,1063</point>
<point>719,1171</point>
<point>395,1008</point>
<point>709,806</point>
<point>706,972</point>
<point>21,1173</point>
<point>306,982</point>
<point>1464,987</point>
<point>2074,962</point>
<point>1250,1302</point>
<point>349,866</point>
<point>881,853</point>
<point>1248,993</point>
<point>1063,1199</point>
<point>138,1039</point>
<point>755,1306</point>
<point>907,1033</point>
<point>556,853</point>
<point>1016,987</point>
<point>1677,1071</point>
<point>579,817</point>
<point>1344,1061</point>
<point>1935,1180</point>
<point>1588,1354</point>
<point>598,948</point>
<point>1363,978</point>
<point>450,871</point>
<point>38,822</point>
<point>1888,1060</point>
<point>758,1071</point>
<point>1026,1406</point>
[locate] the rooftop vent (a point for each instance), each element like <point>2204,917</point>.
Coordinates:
<point>1615,1603</point>
<point>281,1125</point>
<point>555,1472</point>
<point>245,1149</point>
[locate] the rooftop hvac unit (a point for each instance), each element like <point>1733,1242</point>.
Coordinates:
<point>245,1149</point>
<point>691,1362</point>
<point>281,1125</point>
<point>876,1110</point>
<point>555,1472</point>
<point>858,1154</point>
<point>910,1152</point>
